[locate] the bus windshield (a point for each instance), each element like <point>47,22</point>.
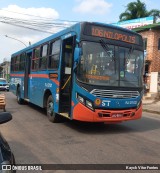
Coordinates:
<point>110,65</point>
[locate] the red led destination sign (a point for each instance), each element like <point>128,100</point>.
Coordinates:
<point>112,33</point>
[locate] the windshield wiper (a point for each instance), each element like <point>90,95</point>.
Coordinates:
<point>107,49</point>
<point>129,53</point>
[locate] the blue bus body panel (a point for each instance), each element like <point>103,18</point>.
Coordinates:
<point>17,79</point>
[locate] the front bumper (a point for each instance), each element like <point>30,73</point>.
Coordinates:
<point>4,88</point>
<point>82,113</point>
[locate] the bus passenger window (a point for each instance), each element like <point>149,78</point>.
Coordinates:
<point>35,58</point>
<point>22,62</point>
<point>54,54</point>
<point>12,64</point>
<point>43,57</point>
<point>16,65</point>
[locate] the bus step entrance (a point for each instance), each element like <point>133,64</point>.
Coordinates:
<point>27,100</point>
<point>65,102</point>
<point>65,108</point>
<point>66,115</point>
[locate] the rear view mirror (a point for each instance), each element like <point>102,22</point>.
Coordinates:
<point>5,117</point>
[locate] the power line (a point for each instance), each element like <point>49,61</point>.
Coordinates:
<point>33,24</point>
<point>27,27</point>
<point>9,18</point>
<point>41,17</point>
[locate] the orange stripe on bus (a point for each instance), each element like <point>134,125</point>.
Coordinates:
<point>39,75</point>
<point>44,76</point>
<point>18,75</point>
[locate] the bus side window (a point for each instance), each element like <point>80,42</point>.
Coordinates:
<point>22,62</point>
<point>13,64</point>
<point>35,58</point>
<point>43,57</point>
<point>16,65</point>
<point>54,54</point>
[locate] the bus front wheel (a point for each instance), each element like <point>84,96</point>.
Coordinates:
<point>52,116</point>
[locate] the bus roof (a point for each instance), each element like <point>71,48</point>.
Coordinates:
<point>74,28</point>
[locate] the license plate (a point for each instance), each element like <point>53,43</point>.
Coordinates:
<point>117,115</point>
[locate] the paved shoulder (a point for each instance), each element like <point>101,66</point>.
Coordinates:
<point>152,106</point>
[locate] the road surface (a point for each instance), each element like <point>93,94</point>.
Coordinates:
<point>34,139</point>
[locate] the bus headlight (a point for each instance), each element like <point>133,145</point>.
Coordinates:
<point>80,99</point>
<point>89,104</point>
<point>138,105</point>
<point>85,102</point>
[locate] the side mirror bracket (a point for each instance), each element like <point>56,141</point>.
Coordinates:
<point>77,55</point>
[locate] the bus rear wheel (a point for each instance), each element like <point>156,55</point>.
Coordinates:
<point>52,116</point>
<point>19,99</point>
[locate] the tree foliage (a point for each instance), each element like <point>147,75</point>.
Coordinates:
<point>136,10</point>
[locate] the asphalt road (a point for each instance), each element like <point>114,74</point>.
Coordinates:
<point>34,139</point>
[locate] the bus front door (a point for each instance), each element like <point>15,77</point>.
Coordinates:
<point>26,74</point>
<point>66,76</point>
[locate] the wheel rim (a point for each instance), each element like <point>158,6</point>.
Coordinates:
<point>50,108</point>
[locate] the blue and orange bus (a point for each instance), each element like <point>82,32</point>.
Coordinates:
<point>89,72</point>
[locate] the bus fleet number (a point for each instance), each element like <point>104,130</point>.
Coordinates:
<point>49,85</point>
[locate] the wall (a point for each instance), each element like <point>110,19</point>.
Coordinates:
<point>156,53</point>
<point>154,82</point>
<point>153,54</point>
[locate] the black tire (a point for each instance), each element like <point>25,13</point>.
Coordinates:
<point>52,116</point>
<point>19,99</point>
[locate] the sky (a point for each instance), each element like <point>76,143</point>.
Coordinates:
<point>60,12</point>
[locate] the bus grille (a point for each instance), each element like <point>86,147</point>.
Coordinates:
<point>115,94</point>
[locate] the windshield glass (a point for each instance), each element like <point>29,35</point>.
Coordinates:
<point>3,80</point>
<point>109,65</point>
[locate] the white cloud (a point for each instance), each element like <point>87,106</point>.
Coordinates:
<point>93,6</point>
<point>42,12</point>
<point>9,46</point>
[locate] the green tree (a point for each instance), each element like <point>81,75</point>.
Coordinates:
<point>136,10</point>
